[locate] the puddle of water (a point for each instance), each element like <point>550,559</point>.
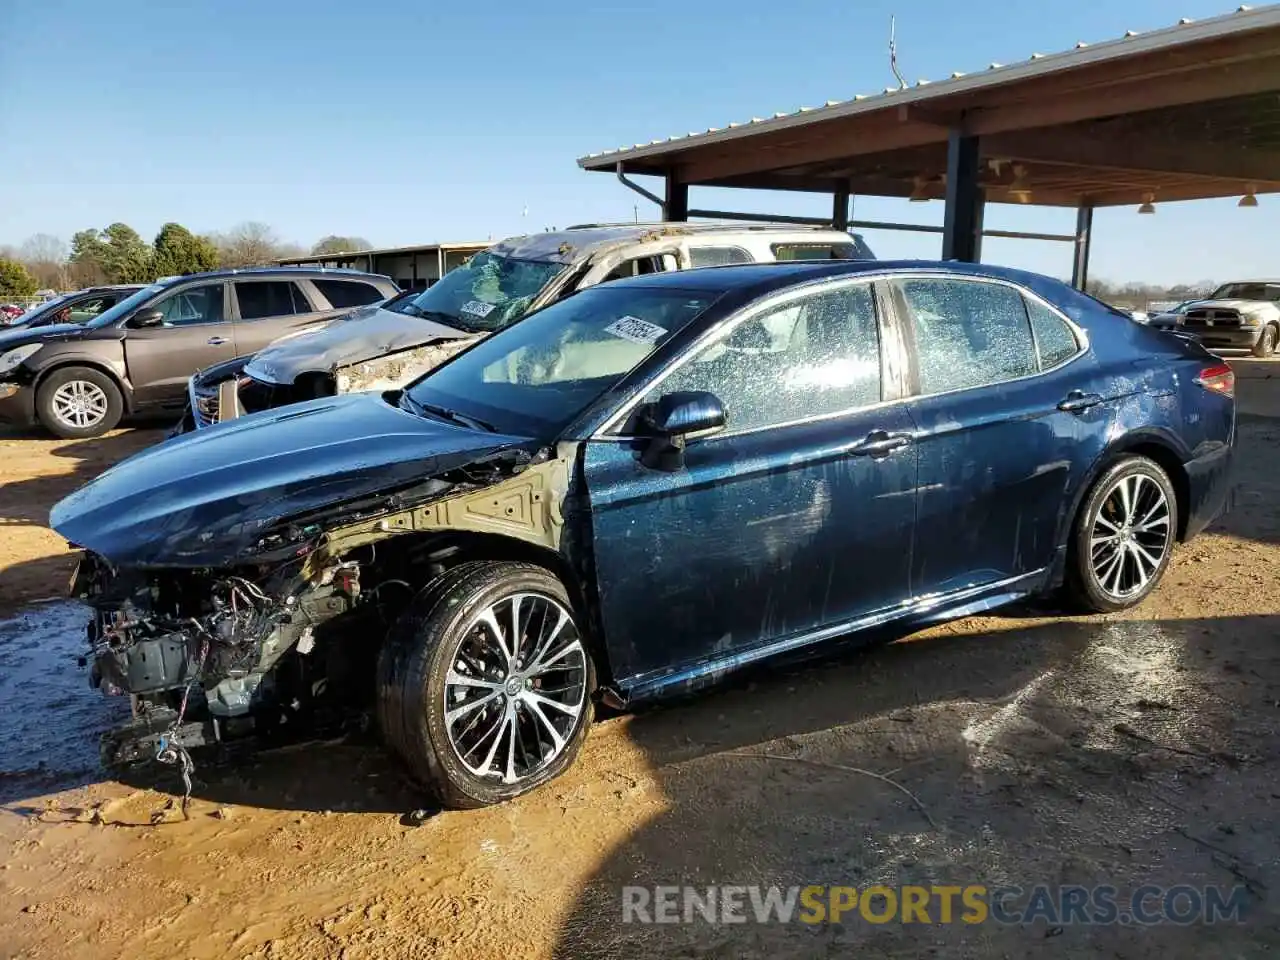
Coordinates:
<point>50,719</point>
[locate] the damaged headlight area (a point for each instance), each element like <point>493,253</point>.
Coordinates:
<point>209,655</point>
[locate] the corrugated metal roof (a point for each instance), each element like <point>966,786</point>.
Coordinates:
<point>1244,20</point>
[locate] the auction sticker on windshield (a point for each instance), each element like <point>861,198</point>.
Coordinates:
<point>477,308</point>
<point>636,330</point>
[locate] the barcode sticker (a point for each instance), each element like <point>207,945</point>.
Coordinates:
<point>477,308</point>
<point>636,330</point>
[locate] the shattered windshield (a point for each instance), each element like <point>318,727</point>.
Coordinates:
<point>486,293</point>
<point>535,377</point>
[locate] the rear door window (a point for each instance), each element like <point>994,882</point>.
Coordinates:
<point>717,256</point>
<point>269,298</point>
<point>348,293</point>
<point>967,333</point>
<point>818,251</point>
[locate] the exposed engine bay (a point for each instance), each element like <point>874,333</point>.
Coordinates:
<point>288,637</point>
<point>209,656</point>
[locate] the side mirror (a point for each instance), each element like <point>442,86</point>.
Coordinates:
<point>147,318</point>
<point>670,421</point>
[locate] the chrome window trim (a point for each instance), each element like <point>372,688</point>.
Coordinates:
<point>727,326</point>
<point>1082,338</point>
<point>870,277</point>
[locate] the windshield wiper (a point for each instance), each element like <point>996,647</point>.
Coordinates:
<point>439,316</point>
<point>444,413</point>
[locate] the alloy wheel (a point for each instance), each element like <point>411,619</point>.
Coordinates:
<point>1130,536</point>
<point>80,404</point>
<point>516,688</point>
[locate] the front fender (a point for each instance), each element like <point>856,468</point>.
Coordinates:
<point>117,371</point>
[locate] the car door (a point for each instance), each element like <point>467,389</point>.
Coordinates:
<point>997,450</point>
<point>195,333</point>
<point>268,309</point>
<point>797,517</point>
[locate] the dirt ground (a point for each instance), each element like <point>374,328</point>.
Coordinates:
<point>1129,749</point>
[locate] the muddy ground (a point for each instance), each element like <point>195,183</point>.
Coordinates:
<point>1129,749</point>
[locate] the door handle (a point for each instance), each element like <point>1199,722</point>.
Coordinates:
<point>879,444</point>
<point>1078,400</point>
<point>217,341</point>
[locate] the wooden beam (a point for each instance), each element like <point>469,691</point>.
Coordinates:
<point>1200,190</point>
<point>815,144</point>
<point>1154,68</point>
<point>1192,86</point>
<point>1078,149</point>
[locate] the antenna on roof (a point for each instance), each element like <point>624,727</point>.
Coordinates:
<point>893,52</point>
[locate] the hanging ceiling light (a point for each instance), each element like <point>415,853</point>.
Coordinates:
<point>1020,189</point>
<point>1249,199</point>
<point>1148,203</point>
<point>919,190</point>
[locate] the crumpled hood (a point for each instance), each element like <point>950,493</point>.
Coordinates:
<point>1249,307</point>
<point>351,339</point>
<point>204,499</point>
<point>21,336</point>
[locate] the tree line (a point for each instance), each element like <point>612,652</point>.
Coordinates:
<point>119,254</point>
<point>1138,295</point>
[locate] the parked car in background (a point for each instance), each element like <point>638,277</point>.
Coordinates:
<point>635,491</point>
<point>78,380</point>
<point>77,307</point>
<point>10,312</point>
<point>1243,315</point>
<point>1167,319</point>
<point>492,290</point>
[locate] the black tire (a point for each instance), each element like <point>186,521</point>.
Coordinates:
<point>1084,585</point>
<point>56,424</point>
<point>1267,341</point>
<point>421,648</point>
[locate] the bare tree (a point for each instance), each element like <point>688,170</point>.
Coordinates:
<point>249,244</point>
<point>45,256</point>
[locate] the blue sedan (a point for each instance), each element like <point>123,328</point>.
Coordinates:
<point>637,490</point>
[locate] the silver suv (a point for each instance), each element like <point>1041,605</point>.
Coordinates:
<point>386,348</point>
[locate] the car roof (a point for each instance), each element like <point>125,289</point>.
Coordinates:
<point>274,271</point>
<point>576,243</point>
<point>755,279</point>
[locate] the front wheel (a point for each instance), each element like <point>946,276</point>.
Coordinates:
<point>1124,536</point>
<point>485,683</point>
<point>1267,341</point>
<point>78,402</point>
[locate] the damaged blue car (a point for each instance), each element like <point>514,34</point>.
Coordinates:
<point>634,492</point>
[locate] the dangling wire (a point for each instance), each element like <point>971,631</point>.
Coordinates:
<point>172,752</point>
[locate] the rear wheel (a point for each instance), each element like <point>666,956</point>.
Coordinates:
<point>1124,536</point>
<point>1267,341</point>
<point>485,683</point>
<point>79,402</point>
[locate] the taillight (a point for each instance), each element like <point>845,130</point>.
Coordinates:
<point>1219,378</point>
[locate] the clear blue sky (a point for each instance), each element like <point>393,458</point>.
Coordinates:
<point>409,121</point>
